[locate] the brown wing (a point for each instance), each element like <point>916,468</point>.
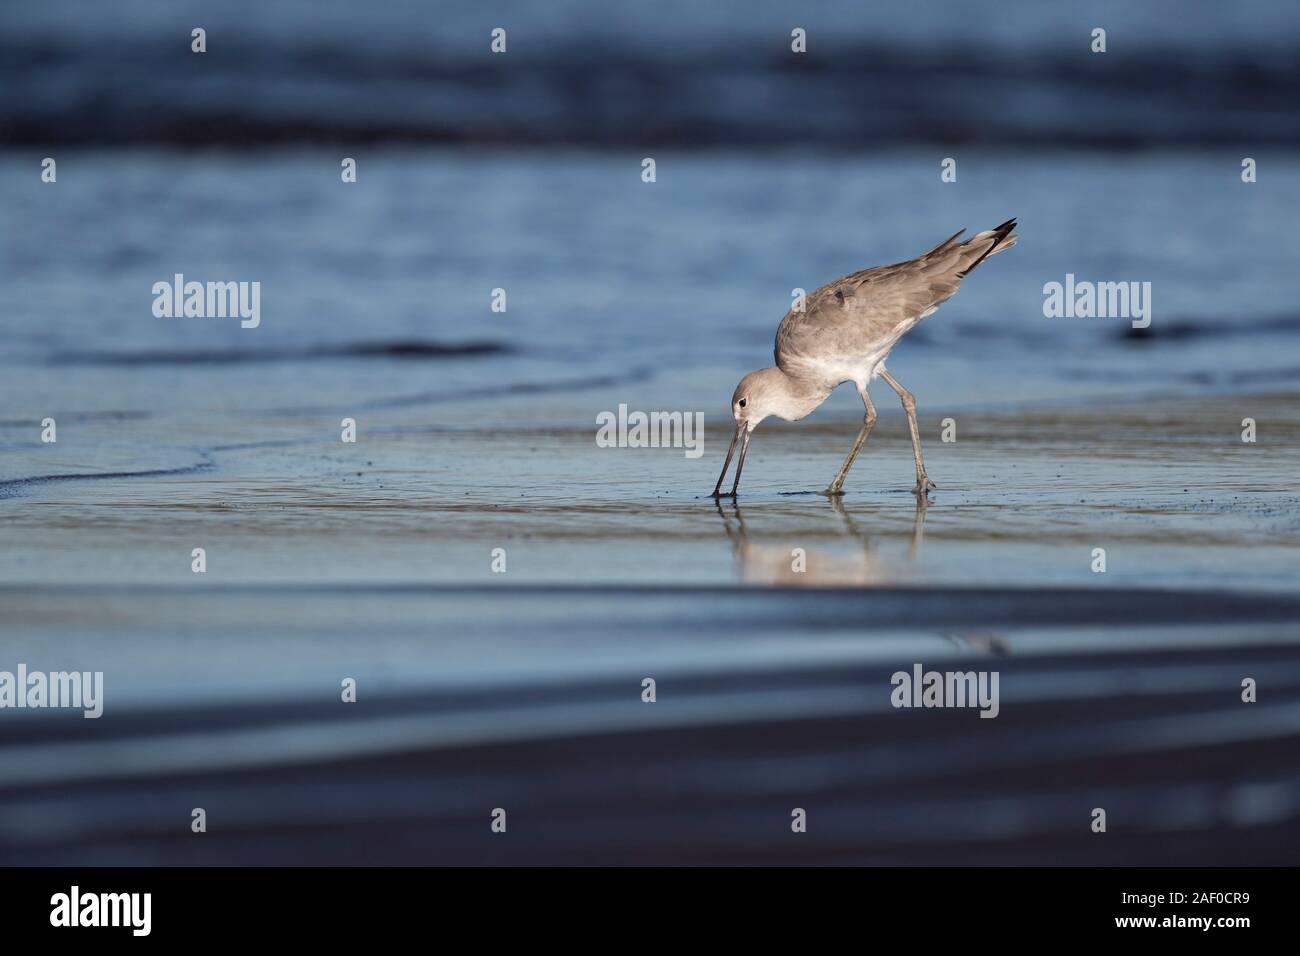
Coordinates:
<point>870,309</point>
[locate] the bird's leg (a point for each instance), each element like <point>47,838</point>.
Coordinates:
<point>923,482</point>
<point>837,486</point>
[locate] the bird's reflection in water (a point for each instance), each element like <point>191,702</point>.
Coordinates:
<point>793,564</point>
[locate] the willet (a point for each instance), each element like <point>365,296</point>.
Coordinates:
<point>844,333</point>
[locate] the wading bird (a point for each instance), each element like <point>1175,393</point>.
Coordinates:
<point>843,334</point>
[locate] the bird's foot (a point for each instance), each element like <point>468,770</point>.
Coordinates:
<point>834,491</point>
<point>923,485</point>
<point>722,494</point>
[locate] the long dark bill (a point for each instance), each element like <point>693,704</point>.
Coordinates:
<point>740,462</point>
<point>727,464</point>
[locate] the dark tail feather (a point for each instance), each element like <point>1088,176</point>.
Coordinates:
<point>1000,234</point>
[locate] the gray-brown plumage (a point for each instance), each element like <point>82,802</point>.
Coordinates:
<point>843,334</point>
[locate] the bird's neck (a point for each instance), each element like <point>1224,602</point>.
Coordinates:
<point>798,397</point>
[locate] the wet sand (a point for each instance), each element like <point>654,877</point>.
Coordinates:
<point>1165,486</point>
<point>530,699</point>
<point>523,689</point>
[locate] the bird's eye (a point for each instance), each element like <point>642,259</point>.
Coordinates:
<point>743,401</point>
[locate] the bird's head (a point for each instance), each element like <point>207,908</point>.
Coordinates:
<point>769,391</point>
<point>759,395</point>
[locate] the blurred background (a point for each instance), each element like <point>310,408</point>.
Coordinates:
<point>522,171</point>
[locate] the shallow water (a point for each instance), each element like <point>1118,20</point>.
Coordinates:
<point>1071,435</point>
<point>374,560</point>
<point>665,292</point>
